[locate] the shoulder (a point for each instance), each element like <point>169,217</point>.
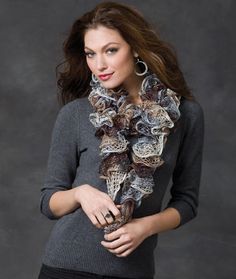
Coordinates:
<point>74,107</point>
<point>72,110</point>
<point>69,108</point>
<point>192,119</point>
<point>67,116</point>
<point>191,111</point>
<point>190,108</point>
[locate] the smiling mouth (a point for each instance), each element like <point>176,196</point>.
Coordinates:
<point>105,77</point>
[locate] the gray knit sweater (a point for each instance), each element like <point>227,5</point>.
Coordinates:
<point>74,160</point>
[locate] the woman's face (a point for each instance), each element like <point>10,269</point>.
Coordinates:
<point>109,57</point>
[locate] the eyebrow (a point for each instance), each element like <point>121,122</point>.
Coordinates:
<point>104,45</point>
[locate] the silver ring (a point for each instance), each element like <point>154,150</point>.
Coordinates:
<point>108,215</point>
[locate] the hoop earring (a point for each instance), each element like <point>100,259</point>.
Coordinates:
<point>94,79</point>
<point>145,65</point>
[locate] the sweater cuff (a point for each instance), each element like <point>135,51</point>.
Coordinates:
<point>44,204</point>
<point>185,210</point>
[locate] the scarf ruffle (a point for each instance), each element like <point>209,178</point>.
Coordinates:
<point>132,139</point>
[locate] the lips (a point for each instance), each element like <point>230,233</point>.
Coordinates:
<point>105,76</point>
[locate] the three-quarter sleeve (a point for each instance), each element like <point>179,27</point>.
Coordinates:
<point>187,172</point>
<point>63,158</point>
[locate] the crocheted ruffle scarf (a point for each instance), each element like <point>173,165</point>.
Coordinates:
<point>132,139</point>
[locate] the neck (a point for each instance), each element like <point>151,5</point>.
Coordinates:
<point>133,87</point>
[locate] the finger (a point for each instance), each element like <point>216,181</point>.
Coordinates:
<point>114,244</point>
<point>95,221</point>
<point>101,219</point>
<point>108,217</point>
<point>115,211</point>
<point>125,253</point>
<point>120,250</point>
<point>114,235</point>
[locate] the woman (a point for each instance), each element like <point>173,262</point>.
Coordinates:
<point>129,123</point>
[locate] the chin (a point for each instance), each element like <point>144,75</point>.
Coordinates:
<point>113,86</point>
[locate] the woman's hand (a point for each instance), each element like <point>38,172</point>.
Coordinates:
<point>126,239</point>
<point>96,204</point>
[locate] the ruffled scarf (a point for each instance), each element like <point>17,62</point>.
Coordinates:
<point>132,139</point>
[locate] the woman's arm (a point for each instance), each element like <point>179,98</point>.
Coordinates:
<point>95,203</point>
<point>63,202</point>
<point>63,160</point>
<point>165,220</point>
<point>187,173</point>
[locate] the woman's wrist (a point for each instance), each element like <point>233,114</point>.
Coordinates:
<point>77,192</point>
<point>165,220</point>
<point>149,224</point>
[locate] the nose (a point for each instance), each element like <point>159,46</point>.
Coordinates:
<point>101,63</point>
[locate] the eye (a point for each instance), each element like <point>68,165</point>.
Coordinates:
<point>89,54</point>
<point>112,50</point>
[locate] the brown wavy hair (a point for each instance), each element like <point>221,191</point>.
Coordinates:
<point>73,81</point>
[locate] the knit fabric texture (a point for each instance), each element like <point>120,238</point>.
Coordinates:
<point>74,242</point>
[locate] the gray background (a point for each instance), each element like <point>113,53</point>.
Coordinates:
<point>32,33</point>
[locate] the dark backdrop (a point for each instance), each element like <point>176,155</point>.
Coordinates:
<point>32,33</point>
